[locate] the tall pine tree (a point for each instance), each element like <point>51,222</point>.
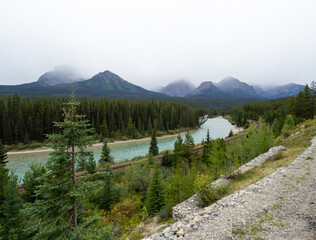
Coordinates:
<point>55,214</point>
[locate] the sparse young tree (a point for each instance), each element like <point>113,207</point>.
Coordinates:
<point>105,154</point>
<point>155,197</point>
<point>153,149</point>
<point>91,164</point>
<point>107,194</point>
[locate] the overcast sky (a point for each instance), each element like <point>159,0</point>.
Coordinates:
<point>151,43</point>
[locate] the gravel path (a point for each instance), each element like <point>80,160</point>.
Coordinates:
<point>280,206</point>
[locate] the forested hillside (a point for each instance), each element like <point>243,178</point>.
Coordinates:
<point>276,111</point>
<point>26,119</point>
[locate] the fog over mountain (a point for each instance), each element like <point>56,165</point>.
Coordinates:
<point>152,43</point>
<point>60,74</point>
<point>179,88</point>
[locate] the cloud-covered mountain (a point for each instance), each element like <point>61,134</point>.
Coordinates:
<point>208,89</point>
<point>109,84</point>
<point>60,74</point>
<point>237,88</point>
<point>279,91</point>
<point>105,84</point>
<point>178,88</point>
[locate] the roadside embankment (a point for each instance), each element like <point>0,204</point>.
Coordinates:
<point>279,206</point>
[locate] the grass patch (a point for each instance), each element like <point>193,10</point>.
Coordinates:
<point>266,217</point>
<point>276,206</point>
<point>240,232</point>
<point>279,223</point>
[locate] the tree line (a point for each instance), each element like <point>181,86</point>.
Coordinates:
<point>274,112</point>
<point>23,120</point>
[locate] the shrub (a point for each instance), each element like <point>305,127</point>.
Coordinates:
<point>123,210</point>
<point>165,213</point>
<point>206,192</point>
<point>32,180</point>
<point>167,159</point>
<point>277,156</point>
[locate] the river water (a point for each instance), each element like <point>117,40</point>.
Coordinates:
<point>218,127</point>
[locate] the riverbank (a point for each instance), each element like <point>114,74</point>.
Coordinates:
<point>100,144</point>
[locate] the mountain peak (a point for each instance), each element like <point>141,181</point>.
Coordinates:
<point>230,79</point>
<point>59,75</point>
<point>178,88</point>
<point>207,89</point>
<point>236,88</point>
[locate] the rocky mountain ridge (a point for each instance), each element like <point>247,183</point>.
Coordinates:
<point>61,79</point>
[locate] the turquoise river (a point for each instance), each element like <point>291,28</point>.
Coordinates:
<point>218,127</point>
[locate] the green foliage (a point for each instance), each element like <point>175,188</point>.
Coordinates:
<point>165,213</point>
<point>230,133</point>
<point>155,197</point>
<point>28,119</point>
<point>167,159</point>
<point>3,173</point>
<point>206,192</point>
<point>178,146</point>
<point>288,125</point>
<point>55,214</point>
<point>137,178</point>
<point>91,164</point>
<point>150,159</point>
<point>105,155</point>
<point>107,193</point>
<point>257,142</point>
<point>153,149</point>
<point>3,183</point>
<point>12,221</point>
<point>180,186</point>
<point>31,180</point>
<point>189,153</point>
<point>216,157</point>
<point>3,154</point>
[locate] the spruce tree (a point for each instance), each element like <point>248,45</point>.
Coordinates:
<point>3,154</point>
<point>105,154</point>
<point>208,138</point>
<point>55,214</point>
<point>107,194</point>
<point>153,149</point>
<point>155,197</point>
<point>3,173</point>
<point>12,220</point>
<point>308,103</point>
<point>32,179</point>
<point>91,164</point>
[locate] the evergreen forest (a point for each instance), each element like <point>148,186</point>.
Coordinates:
<point>27,120</point>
